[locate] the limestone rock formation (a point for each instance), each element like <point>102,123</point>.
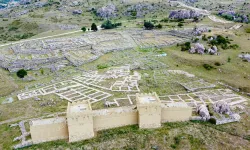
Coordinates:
<point>199,30</point>
<point>222,107</point>
<point>184,14</point>
<point>140,9</point>
<point>232,15</point>
<point>203,112</point>
<point>213,50</point>
<point>77,12</point>
<point>198,48</point>
<point>235,117</point>
<point>25,2</point>
<point>108,11</point>
<point>245,57</point>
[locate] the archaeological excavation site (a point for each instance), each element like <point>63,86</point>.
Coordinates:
<point>124,74</point>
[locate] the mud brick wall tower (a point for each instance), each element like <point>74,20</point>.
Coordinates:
<point>149,108</point>
<point>80,121</point>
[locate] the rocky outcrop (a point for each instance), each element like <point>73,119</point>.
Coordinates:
<point>213,50</point>
<point>198,48</point>
<point>25,2</point>
<point>108,11</point>
<point>232,15</point>
<point>199,30</point>
<point>203,112</point>
<point>184,14</point>
<point>140,10</point>
<point>222,107</point>
<point>245,57</point>
<point>77,12</point>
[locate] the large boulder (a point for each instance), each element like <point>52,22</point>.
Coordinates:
<point>203,112</point>
<point>213,50</point>
<point>199,48</point>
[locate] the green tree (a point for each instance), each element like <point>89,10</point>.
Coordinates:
<point>109,25</point>
<point>83,29</point>
<point>148,25</point>
<point>21,73</point>
<point>94,27</point>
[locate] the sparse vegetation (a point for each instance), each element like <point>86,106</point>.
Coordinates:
<point>102,66</point>
<point>208,67</point>
<point>186,46</point>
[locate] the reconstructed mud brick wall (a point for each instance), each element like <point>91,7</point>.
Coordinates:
<point>82,122</point>
<point>114,117</point>
<point>48,130</point>
<point>173,114</point>
<point>149,108</point>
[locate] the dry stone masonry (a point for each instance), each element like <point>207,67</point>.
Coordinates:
<point>59,52</point>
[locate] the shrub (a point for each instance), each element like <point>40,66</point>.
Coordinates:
<point>217,64</point>
<point>102,66</point>
<point>234,46</point>
<point>204,38</point>
<point>83,29</point>
<point>24,36</point>
<point>148,25</point>
<point>164,20</point>
<point>228,59</point>
<point>212,120</point>
<point>159,26</point>
<point>186,46</point>
<point>21,73</point>
<point>207,66</point>
<point>247,30</point>
<point>133,13</point>
<point>180,24</point>
<point>196,40</point>
<point>109,25</point>
<point>13,28</point>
